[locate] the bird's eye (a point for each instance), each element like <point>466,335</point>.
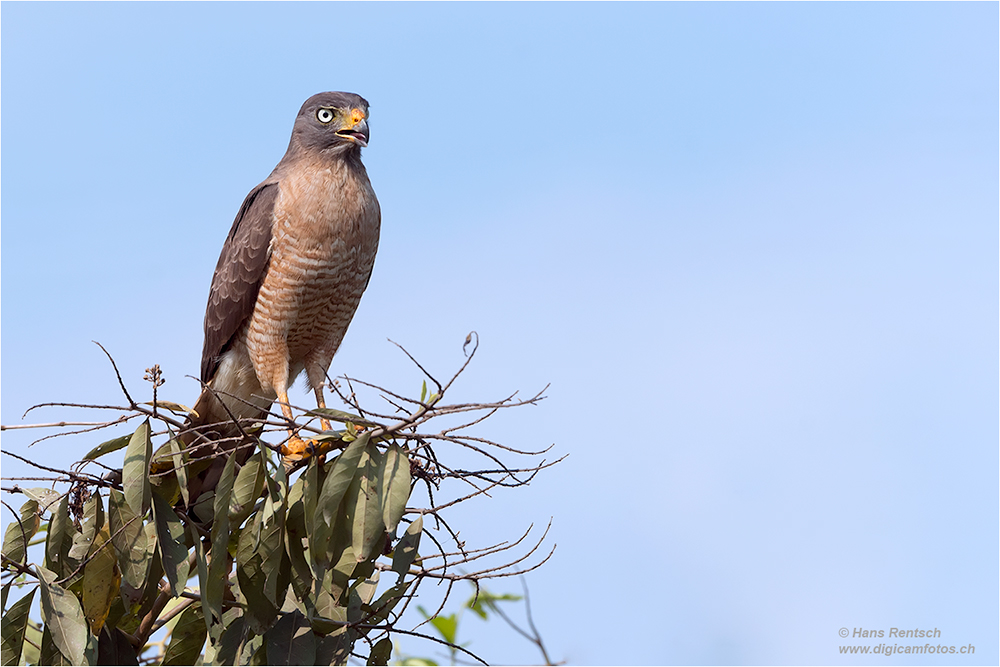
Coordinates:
<point>324,115</point>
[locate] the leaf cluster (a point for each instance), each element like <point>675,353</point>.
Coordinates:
<point>305,565</point>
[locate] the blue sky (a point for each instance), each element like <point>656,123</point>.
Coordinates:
<point>752,247</point>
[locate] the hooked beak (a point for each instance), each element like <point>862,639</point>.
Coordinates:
<point>358,132</point>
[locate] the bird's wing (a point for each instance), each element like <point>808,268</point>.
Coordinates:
<point>238,275</point>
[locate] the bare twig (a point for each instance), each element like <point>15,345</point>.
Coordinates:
<point>61,424</point>
<point>85,478</point>
<point>432,638</point>
<point>536,636</point>
<point>417,364</point>
<point>121,383</point>
<point>170,615</point>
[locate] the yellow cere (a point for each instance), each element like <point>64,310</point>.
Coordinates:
<point>357,115</point>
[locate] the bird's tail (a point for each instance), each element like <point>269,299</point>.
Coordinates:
<point>215,432</point>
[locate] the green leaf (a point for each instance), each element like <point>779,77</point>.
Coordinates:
<point>180,469</point>
<point>20,531</point>
<point>365,570</point>
<point>232,638</point>
<point>341,416</point>
<point>204,507</point>
<point>170,542</point>
<point>323,611</point>
<point>214,588</point>
<point>360,595</point>
<point>261,612</point>
<point>381,652</point>
<point>253,651</point>
<point>107,447</point>
<point>338,478</point>
<point>131,546</point>
<point>345,565</point>
<point>406,549</point>
<point>163,473</point>
<point>423,391</point>
<point>246,490</point>
<point>362,504</point>
<point>101,581</point>
<point>93,521</point>
<point>382,607</point>
<point>187,638</point>
<point>59,540</point>
<point>335,648</point>
<point>447,627</point>
<point>135,472</point>
<point>202,562</point>
<point>176,408</point>
<point>90,650</point>
<point>484,600</point>
<point>49,653</point>
<point>274,561</point>
<point>46,498</point>
<point>394,486</point>
<point>12,629</point>
<point>291,641</point>
<point>115,617</point>
<point>30,654</point>
<point>133,614</point>
<point>301,575</point>
<point>311,484</point>
<point>63,618</point>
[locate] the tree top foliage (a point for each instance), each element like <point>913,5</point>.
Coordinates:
<point>307,563</point>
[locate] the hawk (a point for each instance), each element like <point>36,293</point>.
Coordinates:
<point>289,278</point>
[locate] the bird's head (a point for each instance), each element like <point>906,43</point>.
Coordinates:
<point>332,123</point>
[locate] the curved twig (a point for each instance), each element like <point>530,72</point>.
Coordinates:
<point>121,383</point>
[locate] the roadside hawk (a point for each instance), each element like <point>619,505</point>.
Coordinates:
<point>290,276</point>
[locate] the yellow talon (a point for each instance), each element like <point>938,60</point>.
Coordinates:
<point>296,449</point>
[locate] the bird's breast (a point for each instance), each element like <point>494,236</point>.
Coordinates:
<point>325,236</point>
<point>325,211</point>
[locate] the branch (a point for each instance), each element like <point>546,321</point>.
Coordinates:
<point>132,403</point>
<point>84,478</point>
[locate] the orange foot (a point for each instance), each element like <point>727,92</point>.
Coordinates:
<point>296,449</point>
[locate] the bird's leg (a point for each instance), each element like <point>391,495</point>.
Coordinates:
<point>296,448</point>
<point>321,404</point>
<point>286,409</point>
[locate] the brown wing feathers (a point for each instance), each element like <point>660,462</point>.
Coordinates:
<point>238,275</point>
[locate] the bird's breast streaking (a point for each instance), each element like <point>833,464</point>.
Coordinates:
<point>321,257</point>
